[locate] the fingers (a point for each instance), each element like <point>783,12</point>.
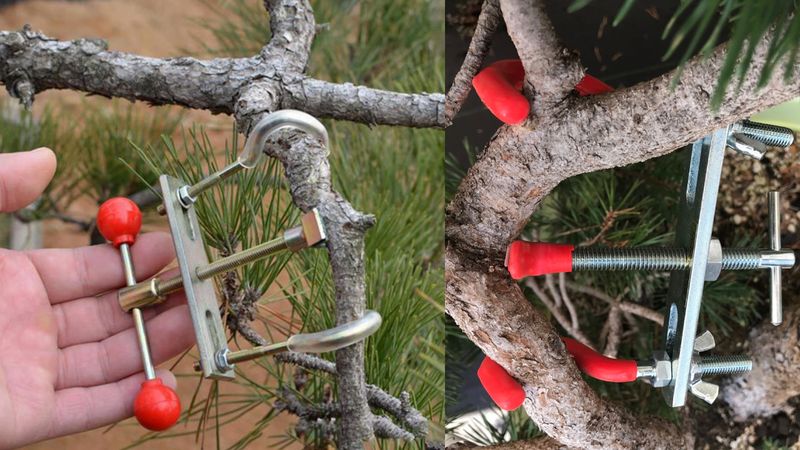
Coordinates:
<point>118,356</point>
<point>23,177</point>
<point>80,408</point>
<point>92,319</point>
<point>68,274</point>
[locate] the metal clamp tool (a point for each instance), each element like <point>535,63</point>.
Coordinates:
<point>196,272</point>
<point>695,259</point>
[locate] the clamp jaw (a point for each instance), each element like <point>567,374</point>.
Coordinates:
<point>679,366</point>
<point>196,272</point>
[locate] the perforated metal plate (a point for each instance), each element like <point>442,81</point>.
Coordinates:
<point>201,296</point>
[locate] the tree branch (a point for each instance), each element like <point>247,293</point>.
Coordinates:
<point>551,71</point>
<point>520,166</point>
<point>31,62</point>
<point>362,104</point>
<point>249,87</point>
<point>488,20</point>
<point>490,308</point>
<point>86,65</point>
<point>292,25</point>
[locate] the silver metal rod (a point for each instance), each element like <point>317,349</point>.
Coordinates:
<point>144,344</point>
<point>775,295</point>
<point>127,264</point>
<point>670,258</point>
<point>138,320</point>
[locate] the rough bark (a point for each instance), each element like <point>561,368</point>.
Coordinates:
<point>306,165</point>
<point>487,24</point>
<point>479,292</point>
<point>568,136</point>
<point>31,62</point>
<point>551,71</point>
<point>249,88</point>
<point>765,390</point>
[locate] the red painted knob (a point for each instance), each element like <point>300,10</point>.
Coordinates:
<point>119,220</point>
<point>157,407</point>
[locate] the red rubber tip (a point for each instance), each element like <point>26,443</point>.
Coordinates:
<point>498,86</point>
<point>157,407</point>
<point>590,85</point>
<point>508,394</point>
<point>598,366</point>
<point>119,220</point>
<point>529,259</point>
<point>501,387</point>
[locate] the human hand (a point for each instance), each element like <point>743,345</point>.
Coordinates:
<point>69,359</point>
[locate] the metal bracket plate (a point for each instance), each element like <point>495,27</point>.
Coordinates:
<point>695,224</point>
<point>201,296</point>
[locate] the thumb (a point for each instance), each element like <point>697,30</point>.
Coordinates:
<point>23,177</point>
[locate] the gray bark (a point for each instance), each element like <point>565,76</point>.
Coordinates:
<point>567,136</point>
<point>487,24</point>
<point>249,88</point>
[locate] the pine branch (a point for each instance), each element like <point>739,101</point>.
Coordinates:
<point>519,168</point>
<point>31,62</point>
<point>401,409</point>
<point>488,21</point>
<point>249,88</point>
<point>551,71</point>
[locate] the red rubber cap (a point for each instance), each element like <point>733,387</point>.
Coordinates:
<point>119,220</point>
<point>598,366</point>
<point>501,387</point>
<point>157,407</point>
<point>590,85</point>
<point>529,259</point>
<point>498,86</point>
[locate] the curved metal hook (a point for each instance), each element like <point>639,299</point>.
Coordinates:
<point>254,148</point>
<point>322,341</point>
<point>276,121</point>
<point>337,337</point>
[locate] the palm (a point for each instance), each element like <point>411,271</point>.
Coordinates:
<point>68,356</point>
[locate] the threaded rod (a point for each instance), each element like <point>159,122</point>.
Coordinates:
<point>768,134</point>
<point>656,259</point>
<point>724,365</point>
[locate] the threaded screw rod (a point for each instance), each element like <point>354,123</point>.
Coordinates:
<point>659,259</point>
<point>771,135</point>
<point>724,365</point>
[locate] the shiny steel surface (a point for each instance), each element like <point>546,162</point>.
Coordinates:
<point>775,296</point>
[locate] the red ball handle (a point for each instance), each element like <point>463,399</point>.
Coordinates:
<point>157,407</point>
<point>119,220</point>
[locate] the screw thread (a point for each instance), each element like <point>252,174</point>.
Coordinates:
<point>724,365</point>
<point>237,259</point>
<point>656,259</point>
<point>768,134</point>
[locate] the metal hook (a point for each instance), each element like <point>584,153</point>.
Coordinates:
<point>254,148</point>
<point>320,342</point>
<point>274,122</point>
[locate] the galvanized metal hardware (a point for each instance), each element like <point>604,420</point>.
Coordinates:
<point>695,258</point>
<point>752,138</point>
<point>658,370</point>
<point>196,272</point>
<point>154,291</point>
